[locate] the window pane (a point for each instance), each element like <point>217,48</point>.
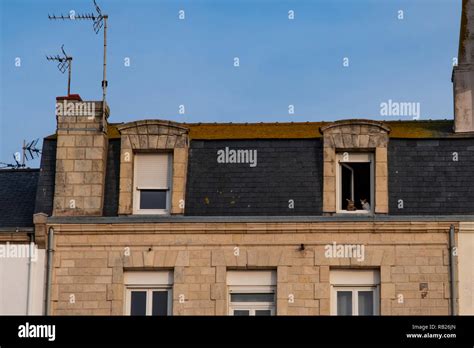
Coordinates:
<point>160,303</point>
<point>252,297</point>
<point>138,303</point>
<point>153,199</point>
<point>361,184</point>
<point>359,173</point>
<point>366,302</point>
<point>241,312</point>
<point>263,312</point>
<point>346,186</point>
<point>344,303</point>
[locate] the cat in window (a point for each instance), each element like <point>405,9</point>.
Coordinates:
<point>350,205</point>
<point>365,204</point>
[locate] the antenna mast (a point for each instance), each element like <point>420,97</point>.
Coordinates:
<point>99,21</point>
<point>64,62</point>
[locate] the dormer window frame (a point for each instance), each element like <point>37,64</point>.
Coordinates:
<point>153,136</point>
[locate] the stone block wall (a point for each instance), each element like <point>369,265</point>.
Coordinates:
<point>90,260</point>
<point>81,156</point>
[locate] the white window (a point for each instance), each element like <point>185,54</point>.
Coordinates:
<point>251,293</point>
<point>152,184</point>
<point>355,292</point>
<point>355,182</point>
<point>148,293</point>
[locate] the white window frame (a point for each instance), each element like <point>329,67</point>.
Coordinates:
<point>355,157</point>
<point>136,189</point>
<point>149,298</point>
<point>355,280</point>
<point>355,298</point>
<point>149,282</point>
<point>252,306</point>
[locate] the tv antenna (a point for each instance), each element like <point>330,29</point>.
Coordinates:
<point>99,20</point>
<point>64,63</point>
<point>29,151</point>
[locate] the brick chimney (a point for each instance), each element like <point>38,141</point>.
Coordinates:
<point>81,157</point>
<point>463,74</point>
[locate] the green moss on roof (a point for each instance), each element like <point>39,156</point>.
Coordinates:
<point>399,129</point>
<point>255,130</point>
<point>429,129</point>
<point>421,129</point>
<point>112,131</point>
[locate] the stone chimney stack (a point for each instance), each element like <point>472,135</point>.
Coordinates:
<point>463,74</point>
<point>81,157</point>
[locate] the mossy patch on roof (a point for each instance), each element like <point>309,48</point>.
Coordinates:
<point>255,130</point>
<point>429,129</point>
<point>112,131</point>
<point>399,129</point>
<point>421,129</point>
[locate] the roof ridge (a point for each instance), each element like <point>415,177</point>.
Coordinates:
<point>19,170</point>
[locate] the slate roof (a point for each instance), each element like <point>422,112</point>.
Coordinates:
<point>17,197</point>
<point>421,169</point>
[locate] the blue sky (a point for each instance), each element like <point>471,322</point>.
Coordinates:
<point>190,62</point>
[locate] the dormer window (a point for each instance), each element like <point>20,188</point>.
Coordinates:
<point>355,182</point>
<point>355,167</point>
<point>152,183</point>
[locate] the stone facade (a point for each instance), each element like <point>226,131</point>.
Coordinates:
<point>90,260</point>
<point>466,268</point>
<point>91,256</point>
<point>463,73</point>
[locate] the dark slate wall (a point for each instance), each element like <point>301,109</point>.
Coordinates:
<point>112,179</point>
<point>423,174</point>
<point>286,169</point>
<point>45,191</point>
<point>17,197</point>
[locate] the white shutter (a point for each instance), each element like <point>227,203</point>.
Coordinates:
<point>148,278</point>
<point>152,170</point>
<point>267,278</point>
<point>354,277</point>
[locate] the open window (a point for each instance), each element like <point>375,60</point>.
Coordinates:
<point>355,182</point>
<point>152,183</point>
<point>252,293</point>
